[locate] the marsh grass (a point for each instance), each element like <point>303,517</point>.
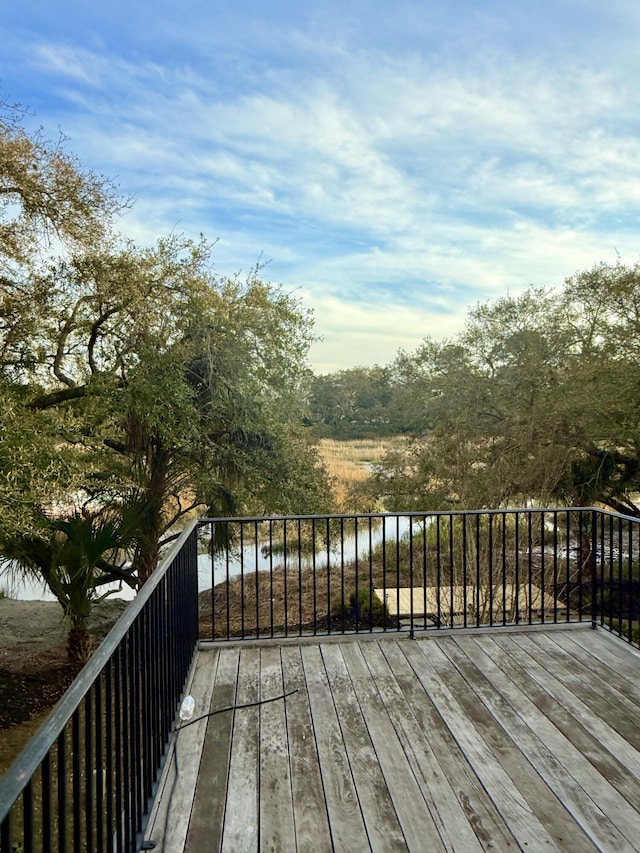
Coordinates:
<point>349,464</point>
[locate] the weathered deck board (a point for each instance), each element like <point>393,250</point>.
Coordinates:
<point>171,817</point>
<point>549,752</point>
<point>310,810</point>
<point>345,817</point>
<point>207,818</point>
<point>449,818</point>
<point>241,819</point>
<point>489,740</point>
<point>622,659</point>
<point>380,817</point>
<point>482,817</point>
<point>414,816</point>
<point>276,804</point>
<point>499,770</point>
<point>602,777</point>
<point>602,718</point>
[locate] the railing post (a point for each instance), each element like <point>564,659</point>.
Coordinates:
<point>594,570</point>
<point>411,581</point>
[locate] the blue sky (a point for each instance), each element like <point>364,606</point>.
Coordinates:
<point>395,163</point>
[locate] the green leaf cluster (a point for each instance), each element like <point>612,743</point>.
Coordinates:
<point>534,403</point>
<point>134,382</point>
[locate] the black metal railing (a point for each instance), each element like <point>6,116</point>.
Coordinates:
<point>615,564</point>
<point>294,576</point>
<point>85,782</point>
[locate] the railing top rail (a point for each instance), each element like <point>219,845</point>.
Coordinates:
<point>416,514</point>
<point>32,756</point>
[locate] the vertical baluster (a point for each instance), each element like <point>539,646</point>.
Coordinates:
<point>504,569</point>
<point>478,578</point>
<point>342,582</point>
<point>256,548</point>
<point>411,579</point>
<point>313,569</point>
<point>6,838</point>
<point>371,593</point>
<point>328,576</point>
<point>77,791</point>
<point>357,607</point>
<point>242,602</point>
<point>300,577</point>
<point>46,802</point>
<point>516,566</point>
<point>62,782</point>
<point>398,568</point>
<point>271,576</point>
<point>384,568</point>
<point>452,579</point>
<point>286,578</point>
<point>99,767</point>
<point>490,557</point>
<point>438,571</point>
<point>465,602</point>
<point>27,819</point>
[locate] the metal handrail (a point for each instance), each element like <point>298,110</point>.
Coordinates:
<point>20,774</point>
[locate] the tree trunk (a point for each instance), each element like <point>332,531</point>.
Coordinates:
<point>79,643</point>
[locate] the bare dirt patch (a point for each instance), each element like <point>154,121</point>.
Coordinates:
<point>34,671</point>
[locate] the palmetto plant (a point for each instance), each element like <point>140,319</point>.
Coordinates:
<point>75,556</point>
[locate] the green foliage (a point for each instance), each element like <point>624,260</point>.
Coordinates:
<point>155,380</point>
<point>75,556</point>
<point>364,609</point>
<point>44,192</point>
<point>537,400</point>
<point>352,403</point>
<point>133,381</point>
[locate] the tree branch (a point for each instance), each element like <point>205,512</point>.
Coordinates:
<point>118,446</point>
<point>46,401</point>
<point>95,331</point>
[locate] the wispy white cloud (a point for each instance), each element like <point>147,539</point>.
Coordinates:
<point>393,186</point>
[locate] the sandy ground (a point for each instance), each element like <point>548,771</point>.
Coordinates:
<point>34,671</point>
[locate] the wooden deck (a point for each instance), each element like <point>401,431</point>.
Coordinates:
<point>526,740</point>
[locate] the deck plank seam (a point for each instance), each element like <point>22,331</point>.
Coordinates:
<point>507,797</point>
<point>514,753</point>
<point>404,742</point>
<point>233,720</point>
<point>593,700</point>
<point>371,739</point>
<point>370,723</point>
<point>419,741</point>
<point>560,778</point>
<point>301,686</point>
<point>478,793</point>
<point>317,723</point>
<point>356,755</point>
<point>593,748</point>
<point>623,685</point>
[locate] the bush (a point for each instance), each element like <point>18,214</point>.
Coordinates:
<point>363,610</point>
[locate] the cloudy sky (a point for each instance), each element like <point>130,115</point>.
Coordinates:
<point>395,162</point>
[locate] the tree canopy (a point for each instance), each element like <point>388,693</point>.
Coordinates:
<point>535,401</point>
<point>135,382</point>
<point>45,193</point>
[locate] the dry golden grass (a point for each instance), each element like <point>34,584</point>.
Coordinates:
<point>349,463</point>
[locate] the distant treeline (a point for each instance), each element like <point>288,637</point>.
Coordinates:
<point>365,402</point>
<point>536,400</point>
